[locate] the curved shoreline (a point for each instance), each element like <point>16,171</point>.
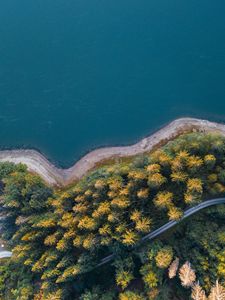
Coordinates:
<point>38,163</point>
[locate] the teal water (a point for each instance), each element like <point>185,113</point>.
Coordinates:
<point>78,74</point>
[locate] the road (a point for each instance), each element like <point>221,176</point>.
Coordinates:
<point>156,232</point>
<point>170,224</point>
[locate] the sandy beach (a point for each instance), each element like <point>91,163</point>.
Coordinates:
<point>39,164</point>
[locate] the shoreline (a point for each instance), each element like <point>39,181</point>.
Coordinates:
<point>39,164</point>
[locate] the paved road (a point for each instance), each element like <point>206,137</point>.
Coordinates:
<point>156,232</point>
<point>170,224</point>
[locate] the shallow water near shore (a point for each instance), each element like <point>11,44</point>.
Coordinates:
<point>76,75</point>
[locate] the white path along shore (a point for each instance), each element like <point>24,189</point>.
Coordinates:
<point>39,164</point>
<point>4,254</point>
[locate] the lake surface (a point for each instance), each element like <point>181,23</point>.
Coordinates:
<point>79,74</point>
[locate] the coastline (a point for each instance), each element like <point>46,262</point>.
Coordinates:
<point>52,175</point>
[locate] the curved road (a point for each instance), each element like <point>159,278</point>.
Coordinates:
<point>170,224</point>
<point>156,232</point>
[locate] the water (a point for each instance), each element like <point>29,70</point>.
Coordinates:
<point>78,74</point>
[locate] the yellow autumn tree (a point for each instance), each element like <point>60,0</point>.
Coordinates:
<point>135,215</point>
<point>177,165</point>
<point>129,237</point>
<point>87,223</point>
<point>115,184</point>
<point>179,177</point>
<point>175,213</point>
<point>164,257</point>
<point>210,160</point>
<point>100,184</point>
<point>143,224</point>
<point>51,240</point>
<point>137,175</point>
<point>123,278</point>
<point>103,209</point>
<point>143,193</point>
<point>156,180</point>
<point>129,295</point>
<point>153,168</point>
<point>150,279</point>
<point>194,162</point>
<point>120,202</point>
<point>163,199</point>
<point>195,185</point>
<point>89,241</point>
<point>183,155</point>
<point>57,295</point>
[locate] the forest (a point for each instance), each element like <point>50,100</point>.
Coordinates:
<point>58,236</point>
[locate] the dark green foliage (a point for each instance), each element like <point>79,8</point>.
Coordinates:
<point>58,237</point>
<point>16,281</point>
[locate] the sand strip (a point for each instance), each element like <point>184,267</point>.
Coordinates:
<point>39,164</point>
